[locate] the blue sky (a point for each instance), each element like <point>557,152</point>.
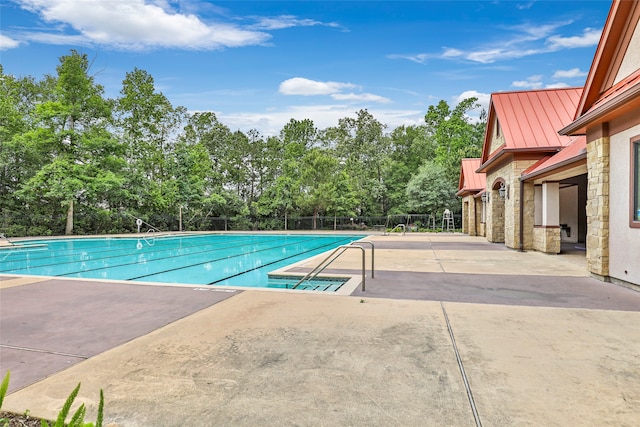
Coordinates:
<point>257,64</point>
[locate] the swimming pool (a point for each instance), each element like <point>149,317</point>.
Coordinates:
<point>213,259</point>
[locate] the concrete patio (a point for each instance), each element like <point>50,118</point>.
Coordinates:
<point>452,331</point>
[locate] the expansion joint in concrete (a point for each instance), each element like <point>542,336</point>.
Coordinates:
<point>36,350</point>
<point>472,402</point>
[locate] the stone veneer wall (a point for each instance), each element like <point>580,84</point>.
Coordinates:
<point>598,206</point>
<point>465,214</point>
<point>529,215</point>
<point>509,213</point>
<point>479,224</point>
<point>495,218</point>
<point>470,215</point>
<point>546,239</point>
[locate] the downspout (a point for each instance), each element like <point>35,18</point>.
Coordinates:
<point>521,237</point>
<point>475,216</point>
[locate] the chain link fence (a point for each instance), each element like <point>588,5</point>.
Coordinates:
<point>119,223</point>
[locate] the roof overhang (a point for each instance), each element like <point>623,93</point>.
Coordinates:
<point>618,105</point>
<point>468,191</point>
<point>568,168</point>
<point>502,155</point>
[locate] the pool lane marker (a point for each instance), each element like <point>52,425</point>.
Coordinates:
<point>476,416</point>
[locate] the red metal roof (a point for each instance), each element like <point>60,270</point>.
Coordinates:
<point>603,99</point>
<point>617,90</point>
<point>576,150</point>
<point>470,180</point>
<point>530,120</point>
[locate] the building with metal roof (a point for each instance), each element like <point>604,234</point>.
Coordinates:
<point>608,114</point>
<point>563,165</point>
<point>471,189</point>
<point>522,135</point>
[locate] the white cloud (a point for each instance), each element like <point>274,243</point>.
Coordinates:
<point>420,58</point>
<point>327,115</point>
<point>559,85</point>
<point>483,98</point>
<point>56,39</point>
<point>8,43</point>
<point>366,97</point>
<point>306,87</point>
<point>569,74</point>
<point>524,6</point>
<point>590,37</point>
<point>517,41</point>
<point>289,21</point>
<point>532,82</point>
<point>134,24</point>
<point>452,53</point>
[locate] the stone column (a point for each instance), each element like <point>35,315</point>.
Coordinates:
<point>598,164</point>
<point>472,216</point>
<point>465,215</point>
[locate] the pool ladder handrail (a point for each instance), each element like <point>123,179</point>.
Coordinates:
<point>333,256</point>
<point>403,226</point>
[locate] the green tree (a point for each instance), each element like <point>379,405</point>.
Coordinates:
<point>453,134</point>
<point>190,189</point>
<point>318,170</point>
<point>16,158</point>
<point>409,148</point>
<point>429,191</point>
<point>148,125</point>
<point>362,147</point>
<point>85,162</point>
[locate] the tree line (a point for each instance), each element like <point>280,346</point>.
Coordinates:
<point>74,161</point>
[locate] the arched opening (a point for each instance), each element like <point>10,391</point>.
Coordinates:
<point>495,232</point>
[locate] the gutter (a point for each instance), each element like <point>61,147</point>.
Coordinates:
<point>498,157</point>
<point>599,112</point>
<point>570,160</point>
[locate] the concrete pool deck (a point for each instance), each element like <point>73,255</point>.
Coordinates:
<point>539,343</point>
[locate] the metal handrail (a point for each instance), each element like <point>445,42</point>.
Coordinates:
<point>140,222</point>
<point>317,267</point>
<point>372,253</point>
<point>404,229</point>
<point>320,267</point>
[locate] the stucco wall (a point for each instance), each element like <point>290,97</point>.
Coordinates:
<point>624,241</point>
<point>569,213</point>
<point>631,57</point>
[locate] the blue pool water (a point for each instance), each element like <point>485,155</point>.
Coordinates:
<point>213,259</point>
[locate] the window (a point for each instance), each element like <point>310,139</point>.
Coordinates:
<point>635,182</point>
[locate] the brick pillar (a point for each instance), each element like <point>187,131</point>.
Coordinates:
<point>598,206</point>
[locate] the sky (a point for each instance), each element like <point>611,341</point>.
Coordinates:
<point>258,64</point>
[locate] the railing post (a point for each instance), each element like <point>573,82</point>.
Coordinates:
<point>313,273</point>
<point>372,254</point>
<point>363,268</point>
